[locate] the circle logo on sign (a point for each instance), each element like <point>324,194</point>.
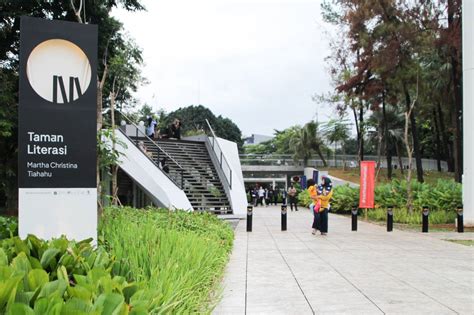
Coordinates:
<point>58,71</point>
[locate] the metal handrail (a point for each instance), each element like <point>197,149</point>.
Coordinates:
<point>180,168</point>
<point>222,158</point>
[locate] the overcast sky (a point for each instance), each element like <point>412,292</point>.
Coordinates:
<point>257,62</point>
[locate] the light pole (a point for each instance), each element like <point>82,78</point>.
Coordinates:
<point>468,110</point>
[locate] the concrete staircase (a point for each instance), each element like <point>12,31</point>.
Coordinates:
<point>200,180</point>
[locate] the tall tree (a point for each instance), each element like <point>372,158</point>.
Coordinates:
<point>110,42</point>
<point>193,119</point>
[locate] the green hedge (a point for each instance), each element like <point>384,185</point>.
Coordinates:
<point>442,198</point>
<point>147,261</point>
<point>181,255</point>
<point>8,227</point>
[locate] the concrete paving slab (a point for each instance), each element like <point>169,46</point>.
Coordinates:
<point>369,271</point>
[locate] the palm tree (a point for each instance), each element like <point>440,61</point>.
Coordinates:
<point>315,140</point>
<point>337,131</point>
<point>299,144</point>
<point>305,141</point>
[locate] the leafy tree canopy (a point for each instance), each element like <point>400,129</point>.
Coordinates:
<point>193,119</point>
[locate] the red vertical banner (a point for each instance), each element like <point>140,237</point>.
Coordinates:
<point>367,184</point>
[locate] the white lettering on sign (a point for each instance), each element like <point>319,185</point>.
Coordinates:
<point>37,137</point>
<point>39,150</point>
<point>35,149</point>
<point>39,174</point>
<point>364,184</point>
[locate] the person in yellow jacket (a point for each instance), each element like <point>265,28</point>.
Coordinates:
<point>324,195</point>
<point>314,206</point>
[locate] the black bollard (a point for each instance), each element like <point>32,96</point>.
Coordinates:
<point>389,218</point>
<point>249,218</point>
<point>354,218</point>
<point>283,217</point>
<point>460,219</point>
<point>425,215</point>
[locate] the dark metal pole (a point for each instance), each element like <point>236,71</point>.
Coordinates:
<point>354,218</point>
<point>425,215</point>
<point>389,218</point>
<point>136,135</point>
<point>460,219</point>
<point>283,217</point>
<point>249,218</point>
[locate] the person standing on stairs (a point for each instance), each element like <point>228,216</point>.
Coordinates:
<point>175,129</point>
<point>164,166</point>
<point>150,129</point>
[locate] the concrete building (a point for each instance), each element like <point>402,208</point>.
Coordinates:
<point>256,139</point>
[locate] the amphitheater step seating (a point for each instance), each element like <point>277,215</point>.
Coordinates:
<point>201,181</point>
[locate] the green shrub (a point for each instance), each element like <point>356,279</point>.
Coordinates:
<point>344,198</point>
<point>442,198</point>
<point>179,255</point>
<point>304,199</point>
<point>64,277</point>
<point>8,227</point>
<point>401,215</point>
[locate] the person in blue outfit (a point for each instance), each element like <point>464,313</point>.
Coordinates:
<point>324,194</point>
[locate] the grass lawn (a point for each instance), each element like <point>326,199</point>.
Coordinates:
<point>463,242</point>
<point>353,174</point>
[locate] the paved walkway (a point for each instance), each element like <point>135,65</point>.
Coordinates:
<point>365,272</point>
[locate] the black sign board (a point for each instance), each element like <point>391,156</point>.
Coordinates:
<point>58,101</point>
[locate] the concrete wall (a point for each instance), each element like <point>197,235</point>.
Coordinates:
<point>468,110</point>
<point>238,198</point>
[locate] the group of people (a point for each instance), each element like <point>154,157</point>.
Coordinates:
<point>321,196</point>
<point>263,196</point>
<point>173,131</point>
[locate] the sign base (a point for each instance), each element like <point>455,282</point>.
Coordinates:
<point>51,212</point>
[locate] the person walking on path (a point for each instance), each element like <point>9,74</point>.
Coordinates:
<point>254,195</point>
<point>267,197</point>
<point>324,195</point>
<point>273,196</point>
<point>261,196</point>
<point>292,196</point>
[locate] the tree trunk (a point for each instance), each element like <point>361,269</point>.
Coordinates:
<point>321,156</point>
<point>361,133</point>
<point>439,149</point>
<point>388,152</point>
<point>100,89</point>
<point>414,134</point>
<point>409,155</point>
<point>399,155</point>
<point>343,148</point>
<point>445,139</point>
<point>456,110</point>
<point>379,146</point>
<point>114,167</point>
